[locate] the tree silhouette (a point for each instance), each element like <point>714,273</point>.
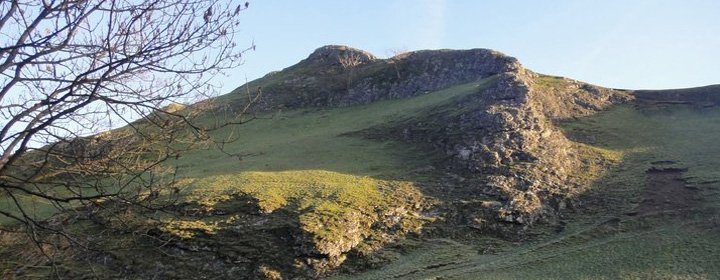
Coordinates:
<point>72,69</point>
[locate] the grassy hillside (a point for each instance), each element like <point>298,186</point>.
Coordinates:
<point>372,173</point>
<point>301,173</point>
<point>630,227</point>
<point>318,139</point>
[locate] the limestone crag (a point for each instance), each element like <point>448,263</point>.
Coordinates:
<point>505,136</point>
<point>424,71</point>
<point>323,79</point>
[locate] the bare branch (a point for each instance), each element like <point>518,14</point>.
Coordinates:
<point>84,87</point>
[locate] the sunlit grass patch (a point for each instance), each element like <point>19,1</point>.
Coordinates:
<point>325,201</point>
<point>273,190</point>
<point>188,229</point>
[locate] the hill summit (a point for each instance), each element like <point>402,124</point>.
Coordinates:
<point>322,80</point>
<point>333,55</point>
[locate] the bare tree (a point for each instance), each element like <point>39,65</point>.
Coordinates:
<point>349,60</point>
<point>396,55</point>
<point>398,52</point>
<point>74,68</point>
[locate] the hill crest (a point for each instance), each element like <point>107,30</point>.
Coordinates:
<point>322,81</point>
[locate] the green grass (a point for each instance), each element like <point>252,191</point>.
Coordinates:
<point>310,162</point>
<point>274,190</point>
<point>600,241</point>
<point>317,139</point>
<point>310,170</point>
<point>309,141</point>
<point>304,171</point>
<point>325,200</point>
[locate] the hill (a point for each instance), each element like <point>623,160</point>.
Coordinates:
<point>429,164</point>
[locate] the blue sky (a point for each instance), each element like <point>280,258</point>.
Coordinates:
<point>648,44</point>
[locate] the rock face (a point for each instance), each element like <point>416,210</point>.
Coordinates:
<point>425,71</point>
<point>323,79</point>
<point>505,137</point>
<point>324,250</point>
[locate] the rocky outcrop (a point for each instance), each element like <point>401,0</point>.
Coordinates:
<point>325,245</point>
<point>424,71</point>
<point>326,79</point>
<point>335,56</point>
<point>505,136</point>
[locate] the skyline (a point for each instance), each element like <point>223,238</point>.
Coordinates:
<point>639,45</point>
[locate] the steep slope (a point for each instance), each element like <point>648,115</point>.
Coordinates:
<point>353,158</point>
<point>505,137</point>
<point>305,196</point>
